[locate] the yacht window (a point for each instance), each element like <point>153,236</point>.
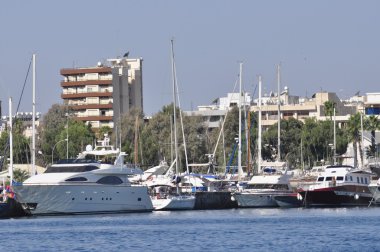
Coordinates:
<point>110,180</point>
<point>329,178</point>
<point>62,169</point>
<point>351,178</point>
<point>77,179</point>
<point>357,180</point>
<point>320,179</point>
<point>346,178</point>
<point>366,181</point>
<point>361,180</point>
<point>339,178</point>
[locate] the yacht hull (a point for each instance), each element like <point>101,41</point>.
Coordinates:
<point>290,200</point>
<point>180,202</point>
<point>340,196</point>
<point>246,199</point>
<point>77,199</point>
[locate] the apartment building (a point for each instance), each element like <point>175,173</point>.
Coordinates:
<point>100,95</point>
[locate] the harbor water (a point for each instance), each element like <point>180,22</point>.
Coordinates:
<point>328,229</point>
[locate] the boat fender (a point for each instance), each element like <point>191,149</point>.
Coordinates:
<point>356,196</point>
<point>299,196</point>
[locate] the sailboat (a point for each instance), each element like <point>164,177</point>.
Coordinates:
<point>270,183</point>
<point>9,207</point>
<point>166,196</point>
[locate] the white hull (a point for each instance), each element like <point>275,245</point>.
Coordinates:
<point>83,199</point>
<point>181,202</point>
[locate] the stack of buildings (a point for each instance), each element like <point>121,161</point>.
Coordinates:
<point>99,95</point>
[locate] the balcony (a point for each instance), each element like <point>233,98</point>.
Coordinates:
<point>91,106</point>
<point>85,83</point>
<point>84,94</point>
<point>94,118</point>
<point>77,71</point>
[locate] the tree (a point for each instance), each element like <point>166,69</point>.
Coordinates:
<point>21,149</point>
<point>372,124</point>
<point>52,124</point>
<point>20,175</point>
<point>80,135</point>
<point>329,108</point>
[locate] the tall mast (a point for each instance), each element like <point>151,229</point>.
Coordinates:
<point>278,115</point>
<point>174,115</point>
<point>259,129</point>
<point>334,137</point>
<point>34,118</point>
<point>240,170</point>
<point>362,138</point>
<point>10,142</point>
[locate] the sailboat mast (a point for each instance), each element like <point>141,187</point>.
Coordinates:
<point>278,115</point>
<point>10,142</point>
<point>362,138</point>
<point>334,137</point>
<point>34,118</point>
<point>174,114</point>
<point>259,129</point>
<point>240,170</point>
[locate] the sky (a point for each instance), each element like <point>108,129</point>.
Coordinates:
<point>322,45</point>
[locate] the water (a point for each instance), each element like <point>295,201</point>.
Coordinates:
<point>356,229</point>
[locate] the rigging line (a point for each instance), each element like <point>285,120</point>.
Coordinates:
<point>222,128</point>
<point>18,106</point>
<point>23,88</point>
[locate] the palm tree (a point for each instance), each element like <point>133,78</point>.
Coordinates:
<point>372,124</point>
<point>353,131</point>
<point>329,108</point>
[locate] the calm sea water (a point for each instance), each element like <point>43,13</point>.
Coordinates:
<point>356,229</point>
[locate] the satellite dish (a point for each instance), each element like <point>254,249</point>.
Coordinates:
<point>89,148</point>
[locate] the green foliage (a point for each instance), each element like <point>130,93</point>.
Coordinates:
<point>53,132</point>
<point>21,150</point>
<point>20,175</point>
<point>80,135</point>
<point>372,124</point>
<point>329,108</point>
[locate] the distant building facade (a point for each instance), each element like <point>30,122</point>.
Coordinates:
<point>27,122</point>
<point>99,95</point>
<point>213,115</point>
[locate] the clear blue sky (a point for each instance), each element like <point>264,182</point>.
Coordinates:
<point>322,45</point>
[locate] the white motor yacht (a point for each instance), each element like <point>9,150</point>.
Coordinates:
<point>85,186</point>
<point>262,189</point>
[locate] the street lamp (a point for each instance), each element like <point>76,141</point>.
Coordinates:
<point>52,152</point>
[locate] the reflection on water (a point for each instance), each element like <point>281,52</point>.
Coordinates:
<point>326,229</point>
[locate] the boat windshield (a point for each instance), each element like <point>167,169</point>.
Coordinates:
<point>62,169</point>
<point>268,186</point>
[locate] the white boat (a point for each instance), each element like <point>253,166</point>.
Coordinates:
<point>262,189</point>
<point>164,197</point>
<point>85,186</point>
